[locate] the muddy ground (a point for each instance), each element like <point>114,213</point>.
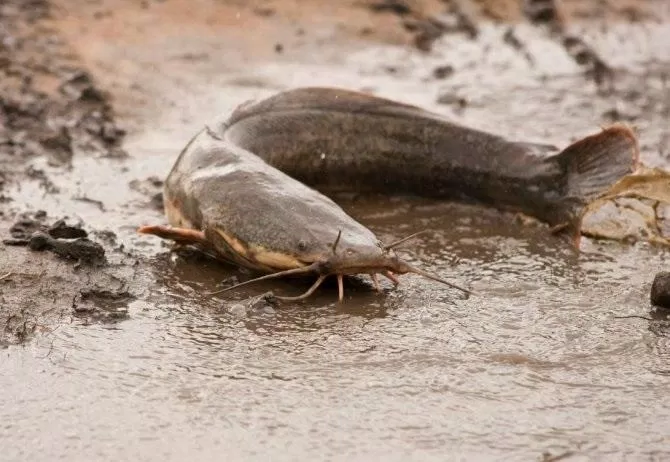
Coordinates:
<point>98,97</point>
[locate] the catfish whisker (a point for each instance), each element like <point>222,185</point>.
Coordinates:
<point>411,269</point>
<point>337,241</point>
<point>340,288</point>
<point>309,292</point>
<point>290,272</point>
<point>403,240</point>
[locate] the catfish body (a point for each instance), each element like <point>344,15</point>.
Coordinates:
<point>339,140</point>
<point>254,215</point>
<point>250,187</point>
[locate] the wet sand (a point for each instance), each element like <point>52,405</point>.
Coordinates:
<point>126,358</point>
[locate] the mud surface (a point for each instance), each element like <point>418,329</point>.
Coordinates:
<point>112,350</point>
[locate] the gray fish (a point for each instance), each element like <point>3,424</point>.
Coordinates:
<point>250,188</point>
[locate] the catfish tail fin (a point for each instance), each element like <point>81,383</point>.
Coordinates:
<point>591,166</point>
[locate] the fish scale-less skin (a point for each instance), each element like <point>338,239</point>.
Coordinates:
<point>240,180</point>
<point>339,140</point>
<point>221,186</point>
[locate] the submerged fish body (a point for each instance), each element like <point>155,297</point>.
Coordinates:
<point>251,188</point>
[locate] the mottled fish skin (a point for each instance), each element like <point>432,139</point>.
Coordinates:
<point>339,140</point>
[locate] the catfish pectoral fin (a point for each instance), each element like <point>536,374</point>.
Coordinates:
<point>179,235</point>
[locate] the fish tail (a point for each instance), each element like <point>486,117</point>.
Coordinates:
<point>591,166</point>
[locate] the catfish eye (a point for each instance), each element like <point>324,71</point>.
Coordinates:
<point>302,245</point>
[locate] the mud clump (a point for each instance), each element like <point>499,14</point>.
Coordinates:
<point>82,250</point>
<point>68,241</point>
<point>660,290</point>
<point>398,7</point>
<point>442,72</point>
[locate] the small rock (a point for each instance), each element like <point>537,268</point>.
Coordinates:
<point>660,290</point>
<point>442,72</point>
<point>399,7</point>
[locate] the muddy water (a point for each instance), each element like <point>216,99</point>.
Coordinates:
<point>537,362</point>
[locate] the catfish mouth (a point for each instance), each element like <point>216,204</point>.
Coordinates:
<point>385,263</point>
<point>371,259</point>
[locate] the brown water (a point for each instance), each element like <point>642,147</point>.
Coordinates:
<point>538,361</point>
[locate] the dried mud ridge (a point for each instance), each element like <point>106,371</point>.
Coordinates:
<point>78,270</point>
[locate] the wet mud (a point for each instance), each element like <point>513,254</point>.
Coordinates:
<point>111,347</point>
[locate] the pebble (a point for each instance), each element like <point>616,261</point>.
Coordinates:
<point>660,290</point>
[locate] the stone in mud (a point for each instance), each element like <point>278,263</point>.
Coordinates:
<point>442,72</point>
<point>660,290</point>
